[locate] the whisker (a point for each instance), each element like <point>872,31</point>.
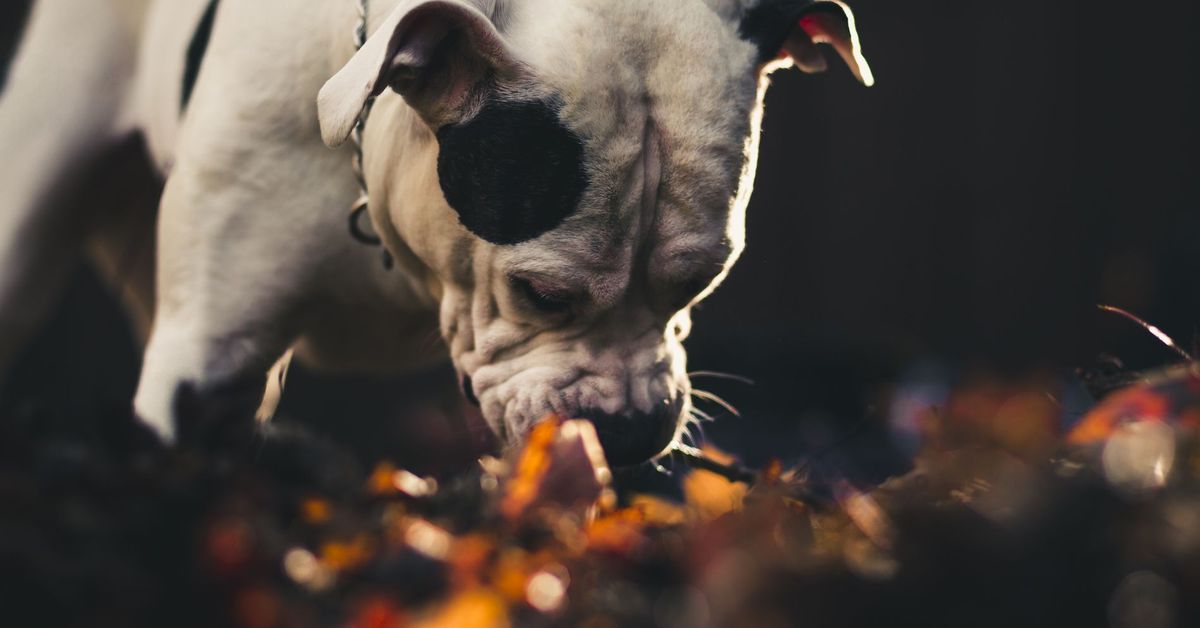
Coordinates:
<point>697,413</point>
<point>433,339</point>
<point>685,435</point>
<point>699,435</point>
<point>707,396</point>
<point>733,472</point>
<point>720,375</point>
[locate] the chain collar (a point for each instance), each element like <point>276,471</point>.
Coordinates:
<point>358,211</point>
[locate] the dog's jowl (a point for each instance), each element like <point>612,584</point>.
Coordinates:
<point>558,181</point>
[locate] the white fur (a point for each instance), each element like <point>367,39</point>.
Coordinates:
<point>65,106</point>
<point>253,257</point>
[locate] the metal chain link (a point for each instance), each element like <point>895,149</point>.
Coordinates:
<point>359,209</point>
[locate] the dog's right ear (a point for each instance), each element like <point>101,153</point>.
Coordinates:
<point>793,28</point>
<point>438,54</point>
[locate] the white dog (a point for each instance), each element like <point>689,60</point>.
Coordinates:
<point>558,182</point>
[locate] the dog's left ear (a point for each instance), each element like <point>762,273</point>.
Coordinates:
<point>794,28</point>
<point>438,54</point>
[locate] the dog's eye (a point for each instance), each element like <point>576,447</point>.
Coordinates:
<point>543,297</point>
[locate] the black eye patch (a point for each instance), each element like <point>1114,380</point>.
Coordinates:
<point>513,172</point>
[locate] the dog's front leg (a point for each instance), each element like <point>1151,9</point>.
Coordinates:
<point>243,254</point>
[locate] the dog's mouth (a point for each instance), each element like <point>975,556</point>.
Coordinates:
<point>499,428</point>
<point>629,438</point>
<point>468,390</point>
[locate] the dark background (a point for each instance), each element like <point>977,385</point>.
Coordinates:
<point>1016,165</point>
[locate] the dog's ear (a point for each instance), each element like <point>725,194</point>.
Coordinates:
<point>438,54</point>
<point>794,28</point>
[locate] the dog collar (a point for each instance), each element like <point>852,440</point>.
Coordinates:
<point>359,209</point>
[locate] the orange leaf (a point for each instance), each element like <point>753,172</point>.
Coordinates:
<point>315,510</point>
<point>477,608</point>
<point>346,555</point>
<point>531,466</point>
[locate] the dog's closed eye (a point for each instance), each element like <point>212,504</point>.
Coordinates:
<point>543,296</point>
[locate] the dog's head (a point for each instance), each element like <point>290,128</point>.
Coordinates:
<point>589,166</point>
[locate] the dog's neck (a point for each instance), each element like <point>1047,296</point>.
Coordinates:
<point>400,168</point>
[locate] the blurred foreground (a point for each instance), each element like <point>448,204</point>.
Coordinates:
<point>1008,519</point>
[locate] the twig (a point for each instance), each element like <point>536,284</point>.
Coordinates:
<point>731,472</point>
<point>1154,331</point>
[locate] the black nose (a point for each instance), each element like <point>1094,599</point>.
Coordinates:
<point>635,437</point>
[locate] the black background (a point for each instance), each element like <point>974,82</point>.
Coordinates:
<point>1016,165</point>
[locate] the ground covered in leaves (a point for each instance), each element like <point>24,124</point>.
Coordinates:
<point>1007,519</point>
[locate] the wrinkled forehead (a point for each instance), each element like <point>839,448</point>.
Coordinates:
<point>637,80</point>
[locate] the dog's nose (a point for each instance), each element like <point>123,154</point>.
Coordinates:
<point>634,437</point>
